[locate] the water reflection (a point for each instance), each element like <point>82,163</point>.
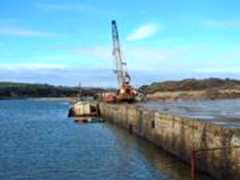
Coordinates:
<point>153,158</point>
<point>38,142</point>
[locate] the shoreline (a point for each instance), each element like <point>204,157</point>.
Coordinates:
<point>69,99</point>
<point>209,94</point>
<point>197,95</point>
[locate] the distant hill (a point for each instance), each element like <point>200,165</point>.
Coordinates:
<point>191,85</point>
<point>213,88</point>
<point>24,90</point>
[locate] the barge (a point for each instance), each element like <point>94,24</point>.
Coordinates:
<point>85,111</point>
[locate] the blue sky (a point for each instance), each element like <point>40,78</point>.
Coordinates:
<point>69,41</point>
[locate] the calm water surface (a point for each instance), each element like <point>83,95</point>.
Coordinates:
<point>38,141</point>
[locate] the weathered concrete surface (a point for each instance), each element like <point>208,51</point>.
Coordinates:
<point>178,136</point>
<point>223,113</point>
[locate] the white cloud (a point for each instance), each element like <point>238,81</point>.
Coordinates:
<point>59,7</point>
<point>32,66</point>
<point>218,70</point>
<point>143,32</point>
<point>23,32</point>
<point>137,58</point>
<point>70,7</point>
<point>223,23</point>
<point>100,52</point>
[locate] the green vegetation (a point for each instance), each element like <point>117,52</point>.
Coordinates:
<point>191,85</point>
<point>25,90</point>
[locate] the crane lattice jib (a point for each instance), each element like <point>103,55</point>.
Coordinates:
<point>121,74</point>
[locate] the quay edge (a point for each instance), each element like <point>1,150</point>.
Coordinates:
<point>217,148</point>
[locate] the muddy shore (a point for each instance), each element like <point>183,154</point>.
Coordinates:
<point>212,94</point>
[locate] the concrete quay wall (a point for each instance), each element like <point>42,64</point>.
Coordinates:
<point>217,148</point>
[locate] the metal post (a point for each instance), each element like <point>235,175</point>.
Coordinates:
<point>193,164</point>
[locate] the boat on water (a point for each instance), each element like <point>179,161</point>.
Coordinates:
<point>85,111</point>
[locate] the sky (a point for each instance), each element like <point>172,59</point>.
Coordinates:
<point>64,42</point>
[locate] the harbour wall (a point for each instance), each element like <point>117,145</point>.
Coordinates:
<point>216,149</point>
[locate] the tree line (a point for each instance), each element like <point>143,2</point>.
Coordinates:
<point>25,90</point>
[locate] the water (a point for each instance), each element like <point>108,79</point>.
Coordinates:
<point>39,142</point>
<point>221,112</point>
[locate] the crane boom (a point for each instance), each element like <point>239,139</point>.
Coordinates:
<point>122,76</point>
<point>125,92</point>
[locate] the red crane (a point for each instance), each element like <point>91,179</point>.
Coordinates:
<point>125,91</point>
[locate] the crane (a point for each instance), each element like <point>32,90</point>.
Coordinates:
<point>125,91</point>
<point>120,71</point>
